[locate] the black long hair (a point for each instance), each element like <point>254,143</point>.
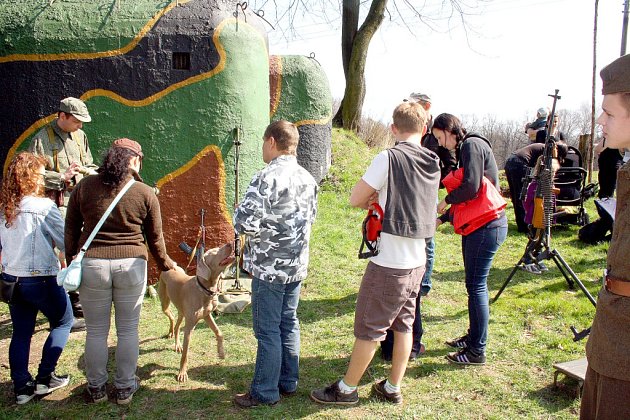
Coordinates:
<point>115,167</point>
<point>451,124</point>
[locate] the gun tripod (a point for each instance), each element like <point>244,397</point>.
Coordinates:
<point>237,287</point>
<point>538,249</point>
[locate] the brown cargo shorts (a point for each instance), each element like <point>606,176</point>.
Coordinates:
<point>387,299</point>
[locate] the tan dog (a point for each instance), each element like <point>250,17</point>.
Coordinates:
<point>195,298</point>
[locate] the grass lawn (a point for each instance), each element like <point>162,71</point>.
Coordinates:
<point>529,331</point>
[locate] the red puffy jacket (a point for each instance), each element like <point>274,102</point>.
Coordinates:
<point>473,214</point>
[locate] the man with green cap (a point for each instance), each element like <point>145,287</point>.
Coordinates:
<point>606,393</point>
<point>66,149</point>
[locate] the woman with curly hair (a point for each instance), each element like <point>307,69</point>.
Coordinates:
<point>114,269</point>
<point>30,228</point>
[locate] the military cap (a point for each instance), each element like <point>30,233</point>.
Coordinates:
<point>616,76</point>
<point>75,107</point>
<point>418,97</point>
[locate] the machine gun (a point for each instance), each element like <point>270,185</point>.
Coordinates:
<point>200,245</point>
<point>539,240</point>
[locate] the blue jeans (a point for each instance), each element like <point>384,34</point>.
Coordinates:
<point>277,330</point>
<point>35,294</point>
<point>426,286</point>
<point>478,249</point>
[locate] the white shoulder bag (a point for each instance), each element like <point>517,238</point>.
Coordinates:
<point>70,277</point>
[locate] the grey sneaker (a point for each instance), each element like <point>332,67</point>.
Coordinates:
<point>51,383</point>
<point>26,393</point>
<point>333,395</point>
<point>531,268</point>
<point>466,357</point>
<point>97,394</point>
<point>124,395</point>
<point>392,397</point>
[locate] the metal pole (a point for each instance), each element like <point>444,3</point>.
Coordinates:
<point>237,237</point>
<point>624,28</point>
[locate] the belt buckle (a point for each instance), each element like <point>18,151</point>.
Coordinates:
<point>607,283</point>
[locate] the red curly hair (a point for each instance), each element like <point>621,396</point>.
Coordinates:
<point>22,178</point>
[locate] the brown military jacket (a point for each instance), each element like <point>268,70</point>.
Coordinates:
<point>608,347</point>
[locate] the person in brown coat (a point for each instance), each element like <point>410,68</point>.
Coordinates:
<point>606,392</point>
<point>114,270</point>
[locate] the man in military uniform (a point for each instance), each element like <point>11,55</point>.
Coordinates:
<point>276,216</point>
<point>606,392</point>
<point>66,149</point>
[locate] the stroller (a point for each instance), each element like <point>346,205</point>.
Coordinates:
<point>570,179</point>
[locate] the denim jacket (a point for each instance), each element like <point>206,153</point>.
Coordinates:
<point>27,246</point>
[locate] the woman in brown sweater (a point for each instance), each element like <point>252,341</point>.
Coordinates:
<point>114,269</point>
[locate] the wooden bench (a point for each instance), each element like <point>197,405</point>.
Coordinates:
<point>575,369</point>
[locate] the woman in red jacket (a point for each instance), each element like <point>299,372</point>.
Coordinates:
<point>484,230</point>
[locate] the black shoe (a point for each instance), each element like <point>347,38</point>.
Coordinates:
<point>247,401</point>
<point>51,383</point>
<point>458,343</point>
<point>414,355</point>
<point>288,393</point>
<point>466,357</point>
<point>97,394</point>
<point>78,325</point>
<point>392,397</point>
<point>26,393</point>
<point>333,395</point>
<point>124,395</point>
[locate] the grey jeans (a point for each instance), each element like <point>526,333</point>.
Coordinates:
<point>123,283</point>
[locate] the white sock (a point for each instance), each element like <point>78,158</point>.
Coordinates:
<point>391,389</point>
<point>346,389</point>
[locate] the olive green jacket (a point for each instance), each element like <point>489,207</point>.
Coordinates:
<point>61,149</point>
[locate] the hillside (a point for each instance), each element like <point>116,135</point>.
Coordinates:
<point>529,331</point>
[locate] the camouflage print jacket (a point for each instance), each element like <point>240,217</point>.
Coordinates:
<point>276,216</point>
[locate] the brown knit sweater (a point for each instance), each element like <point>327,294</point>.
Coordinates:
<point>136,215</point>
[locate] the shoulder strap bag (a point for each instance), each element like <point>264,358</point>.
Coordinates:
<point>70,277</point>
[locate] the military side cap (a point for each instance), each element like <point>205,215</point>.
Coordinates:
<point>125,143</point>
<point>75,107</point>
<point>616,76</point>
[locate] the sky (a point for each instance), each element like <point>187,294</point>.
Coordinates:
<point>517,53</point>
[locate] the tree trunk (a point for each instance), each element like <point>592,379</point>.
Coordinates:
<point>349,114</point>
<point>349,27</point>
<point>589,156</point>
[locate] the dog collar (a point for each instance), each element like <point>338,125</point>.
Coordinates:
<point>207,291</point>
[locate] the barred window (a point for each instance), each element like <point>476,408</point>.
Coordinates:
<point>181,61</point>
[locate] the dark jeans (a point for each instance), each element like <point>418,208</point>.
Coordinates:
<point>37,294</point>
<point>277,330</point>
<point>515,170</point>
<point>609,162</point>
<point>427,283</point>
<point>387,345</point>
<point>478,249</point>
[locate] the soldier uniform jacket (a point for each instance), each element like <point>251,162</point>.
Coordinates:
<point>608,347</point>
<point>276,215</point>
<point>69,147</point>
